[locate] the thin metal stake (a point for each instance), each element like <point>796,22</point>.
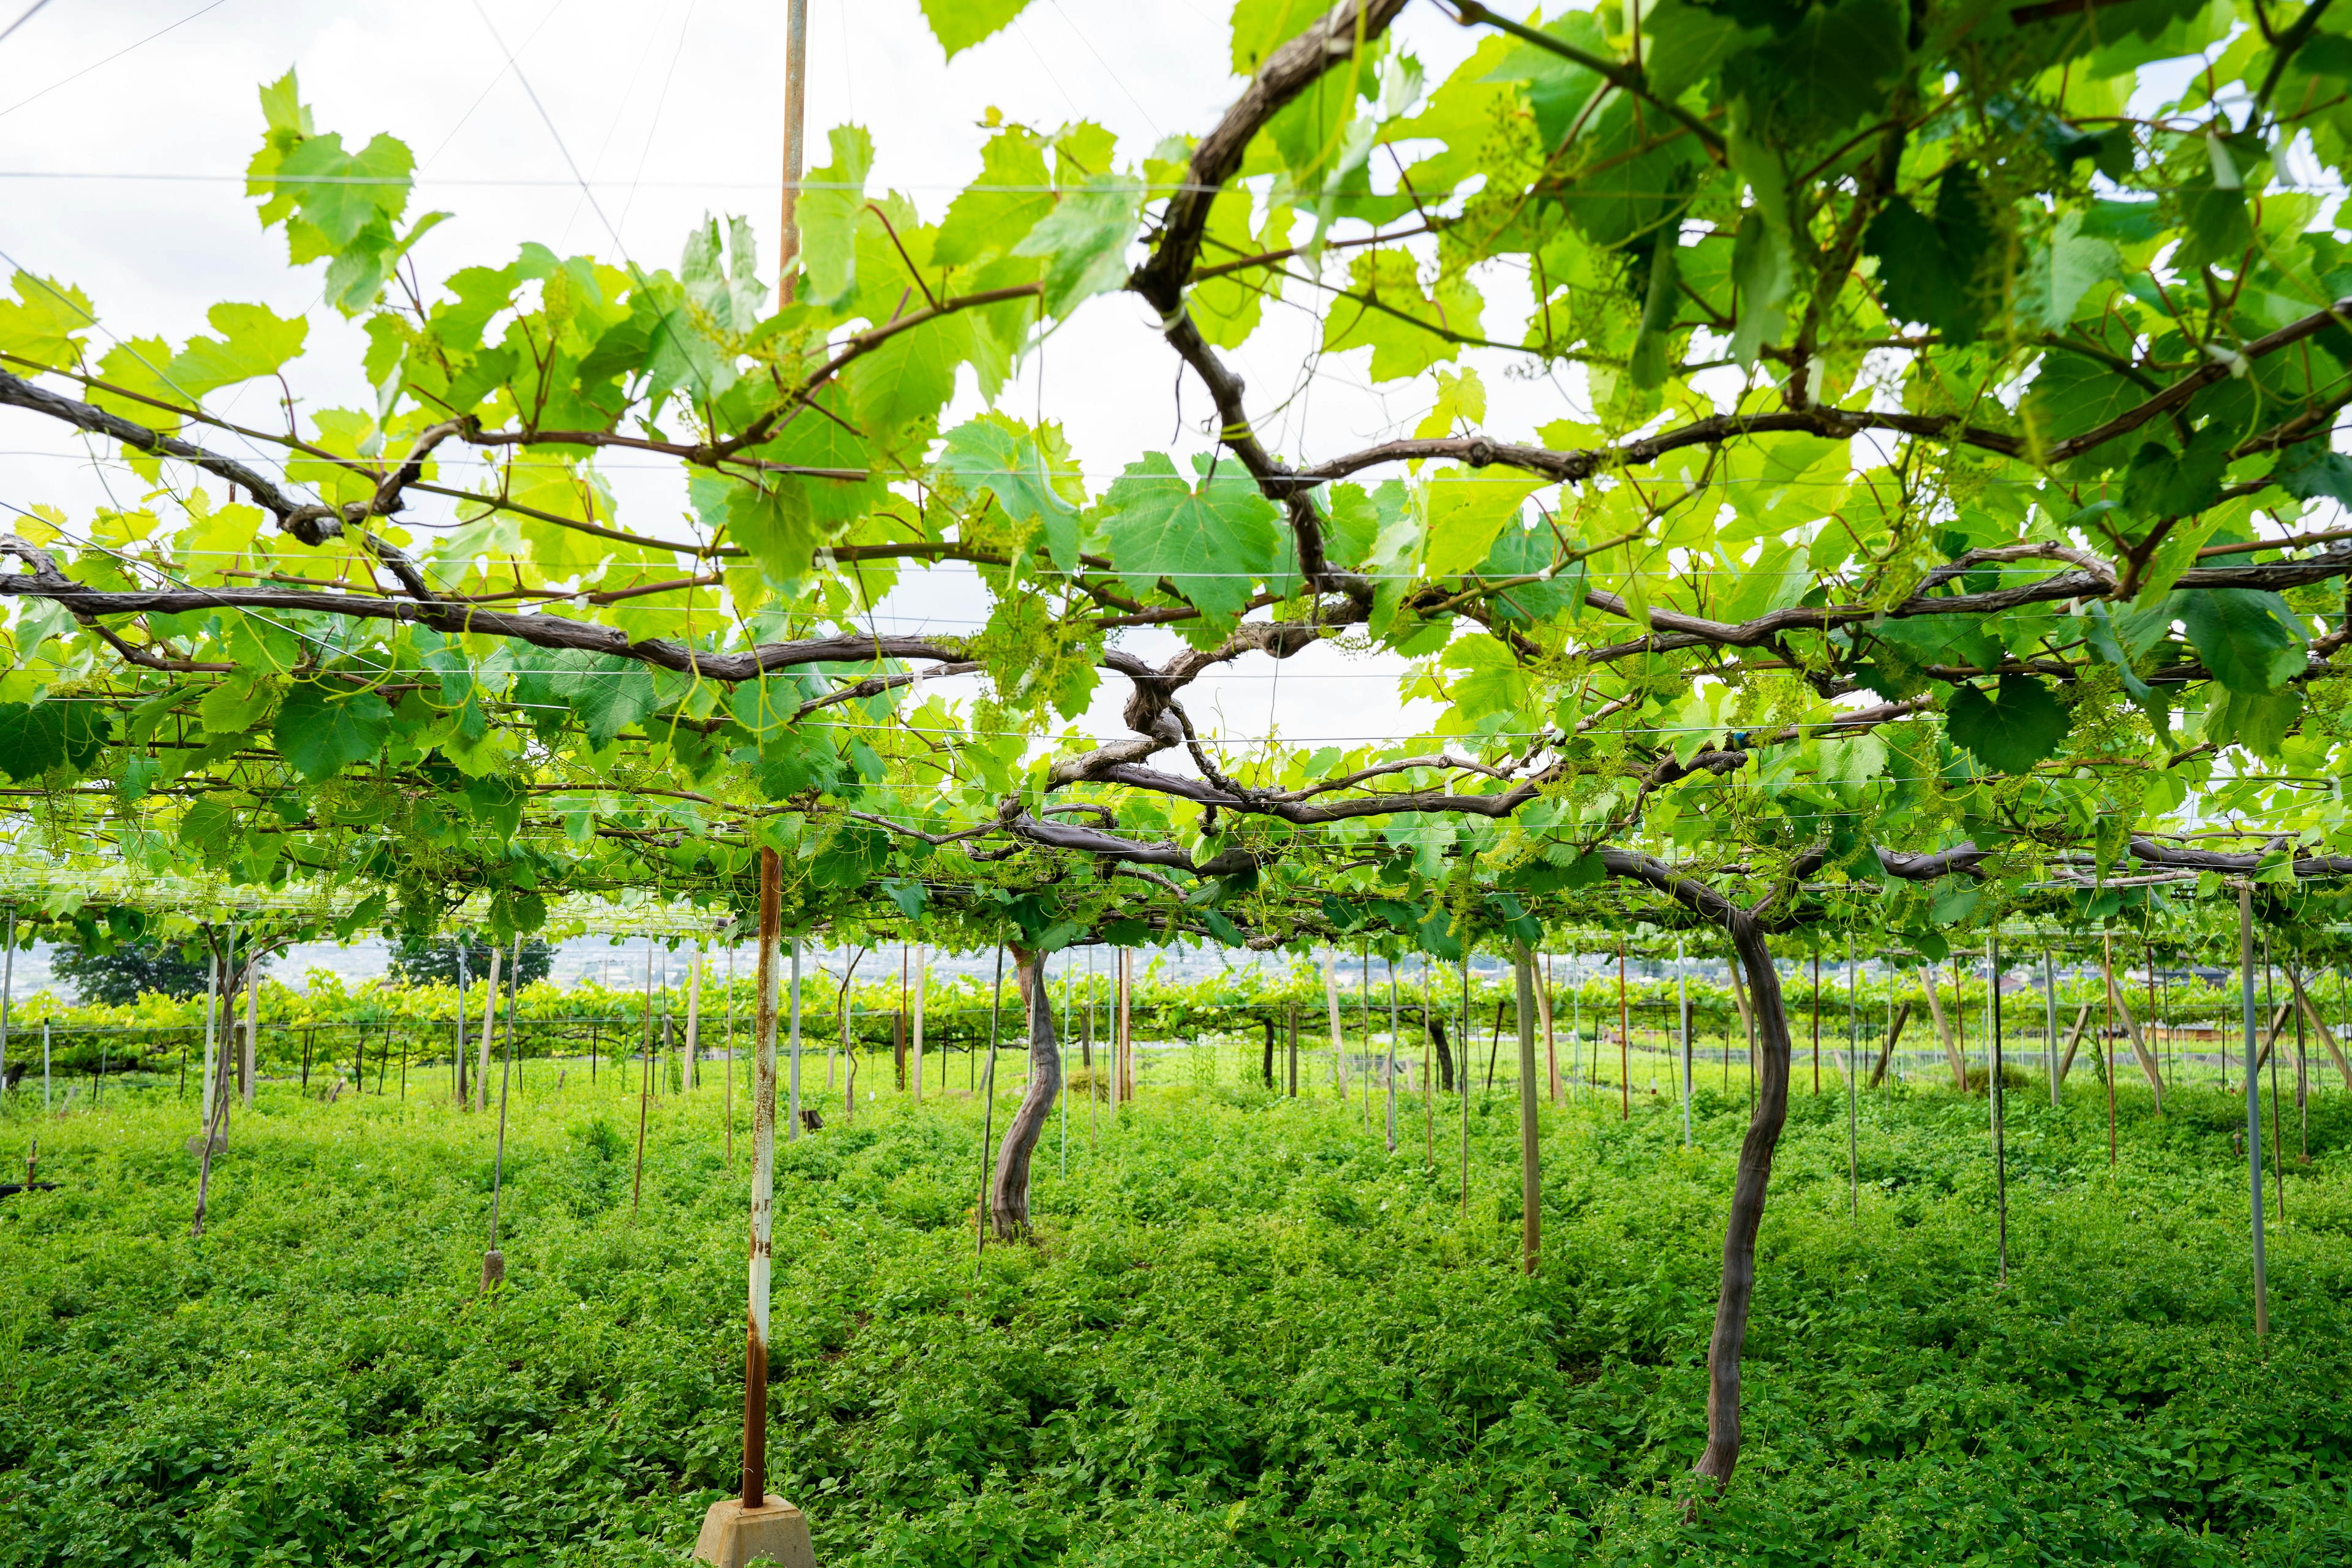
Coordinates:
<point>1853,1100</point>
<point>988,1120</point>
<point>1682,993</point>
<point>1996,1094</point>
<point>2253,1109</point>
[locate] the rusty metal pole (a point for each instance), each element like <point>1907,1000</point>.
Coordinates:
<point>763,1184</point>
<point>788,244</point>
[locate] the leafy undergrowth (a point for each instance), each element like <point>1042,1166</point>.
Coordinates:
<point>1246,1334</point>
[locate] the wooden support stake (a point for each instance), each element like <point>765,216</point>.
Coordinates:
<point>1944,1030</point>
<point>2319,1026</point>
<point>1886,1052</point>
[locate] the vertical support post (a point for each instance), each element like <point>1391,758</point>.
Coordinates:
<point>792,1126</point>
<point>2253,1107</point>
<point>489,1021</point>
<point>494,1262</point>
<point>1391,1055</point>
<point>1817,1021</point>
<point>644,1076</point>
<point>2050,1033</point>
<point>763,1184</point>
<point>1624,1044</point>
<point>1292,1037</point>
<point>730,1103</point>
<point>1462,1072</point>
<point>1551,1050</point>
<point>1683,1017</point>
<point>1530,1138</point>
<point>979,1215</point>
<point>922,979</point>
<point>1853,1095</point>
<point>693,1016</point>
<point>212,1033</point>
<point>1331,1009</point>
<point>788,240</point>
<point>247,1066</point>
<point>8,986</point>
<point>1993,1092</point>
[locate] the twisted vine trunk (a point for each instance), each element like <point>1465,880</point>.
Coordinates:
<point>1755,1171</point>
<point>1008,1198</point>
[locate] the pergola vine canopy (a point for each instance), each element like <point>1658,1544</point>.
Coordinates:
<point>1935,515</point>
<point>1942,431</point>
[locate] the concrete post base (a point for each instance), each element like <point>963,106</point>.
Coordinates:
<point>494,1269</point>
<point>733,1535</point>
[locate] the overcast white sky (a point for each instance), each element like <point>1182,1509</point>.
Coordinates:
<point>125,124</point>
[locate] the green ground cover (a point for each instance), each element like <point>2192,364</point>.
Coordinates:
<point>1247,1334</point>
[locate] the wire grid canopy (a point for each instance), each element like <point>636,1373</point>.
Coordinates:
<point>56,891</point>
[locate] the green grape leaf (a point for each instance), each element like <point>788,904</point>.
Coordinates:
<point>2021,723</point>
<point>2073,393</point>
<point>774,524</point>
<point>1210,541</point>
<point>1468,507</point>
<point>1761,271</point>
<point>339,192</point>
<point>958,25</point>
<point>850,856</point>
<point>1396,318</point>
<point>254,342</point>
<point>2258,721</point>
<point>909,377</point>
<point>45,320</point>
<point>2312,471</point>
<point>1036,488</point>
<point>832,207</point>
<point>1012,192</point>
<point>324,728</point>
<point>2162,482</point>
<point>1084,240</point>
<point>609,692</point>
<point>1557,88</point>
<point>729,298</point>
<point>40,737</point>
<point>1938,270</point>
<point>2250,640</point>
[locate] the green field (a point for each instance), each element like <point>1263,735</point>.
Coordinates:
<point>1246,1333</point>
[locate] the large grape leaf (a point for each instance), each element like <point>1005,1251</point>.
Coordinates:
<point>609,693</point>
<point>1211,541</point>
<point>1467,509</point>
<point>1084,240</point>
<point>45,320</point>
<point>1394,315</point>
<point>253,341</point>
<point>1035,488</point>
<point>2248,639</point>
<point>831,204</point>
<point>1014,192</point>
<point>2021,723</point>
<point>1938,269</point>
<point>322,728</point>
<point>38,737</point>
<point>340,193</point>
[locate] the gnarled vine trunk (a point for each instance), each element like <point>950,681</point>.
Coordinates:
<point>1755,1170</point>
<point>1008,1197</point>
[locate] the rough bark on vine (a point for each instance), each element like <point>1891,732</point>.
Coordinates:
<point>1755,1170</point>
<point>1008,1200</point>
